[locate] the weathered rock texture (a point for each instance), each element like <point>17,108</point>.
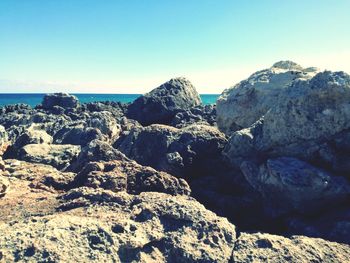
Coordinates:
<point>63,100</point>
<point>296,154</point>
<point>97,186</point>
<point>87,224</point>
<point>59,156</point>
<point>276,249</point>
<point>195,149</point>
<point>161,104</point>
<point>129,176</point>
<point>242,105</point>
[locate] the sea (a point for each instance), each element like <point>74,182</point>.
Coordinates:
<point>34,99</point>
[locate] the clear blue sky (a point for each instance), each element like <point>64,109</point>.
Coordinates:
<point>131,46</point>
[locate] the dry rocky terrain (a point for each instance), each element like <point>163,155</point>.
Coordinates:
<point>262,176</point>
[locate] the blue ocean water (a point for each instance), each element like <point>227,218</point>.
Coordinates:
<point>35,99</point>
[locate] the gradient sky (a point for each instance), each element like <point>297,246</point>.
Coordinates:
<point>132,46</point>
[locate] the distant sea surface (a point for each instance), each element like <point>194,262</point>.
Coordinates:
<point>35,99</point>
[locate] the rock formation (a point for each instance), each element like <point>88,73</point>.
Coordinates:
<point>161,104</point>
<point>59,100</point>
<point>157,181</point>
<point>242,105</point>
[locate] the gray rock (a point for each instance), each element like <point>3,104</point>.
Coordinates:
<point>150,227</point>
<point>245,103</point>
<point>105,122</point>
<point>290,185</point>
<point>201,114</point>
<point>40,176</point>
<point>3,135</point>
<point>59,156</point>
<point>33,135</point>
<point>270,248</point>
<point>306,122</point>
<point>127,175</point>
<point>188,152</point>
<point>78,134</point>
<point>96,151</point>
<point>63,100</point>
<point>3,139</point>
<point>161,104</point>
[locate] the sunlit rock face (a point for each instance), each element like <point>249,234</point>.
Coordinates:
<point>242,105</point>
<point>161,104</point>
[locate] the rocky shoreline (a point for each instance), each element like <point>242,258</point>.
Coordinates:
<point>262,176</point>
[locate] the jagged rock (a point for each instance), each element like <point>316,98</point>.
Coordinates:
<point>194,153</point>
<point>3,139</point>
<point>3,185</point>
<point>96,151</point>
<point>2,164</point>
<point>299,186</point>
<point>306,122</point>
<point>245,103</point>
<point>32,135</point>
<point>63,100</point>
<point>194,150</point>
<point>40,176</point>
<point>78,134</point>
<point>309,122</point>
<point>270,248</point>
<point>161,104</point>
<point>3,135</point>
<point>117,109</point>
<point>16,115</point>
<point>201,114</point>
<point>105,122</point>
<point>127,175</point>
<point>120,228</point>
<point>59,156</point>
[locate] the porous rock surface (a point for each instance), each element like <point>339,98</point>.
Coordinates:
<point>63,100</point>
<point>87,224</point>
<point>95,185</point>
<point>129,176</point>
<point>242,105</point>
<point>161,104</point>
<point>270,248</point>
<point>182,152</point>
<point>296,155</point>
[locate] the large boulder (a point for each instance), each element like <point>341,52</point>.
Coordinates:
<point>201,114</point>
<point>150,227</point>
<point>310,121</point>
<point>105,122</point>
<point>31,135</point>
<point>127,175</point>
<point>188,152</point>
<point>77,134</point>
<point>299,186</point>
<point>242,105</point>
<point>39,176</point>
<point>59,156</point>
<point>96,151</point>
<point>297,155</point>
<point>270,248</point>
<point>161,104</point>
<point>63,100</point>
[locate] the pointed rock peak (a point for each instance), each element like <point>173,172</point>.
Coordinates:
<point>288,65</point>
<point>181,80</point>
